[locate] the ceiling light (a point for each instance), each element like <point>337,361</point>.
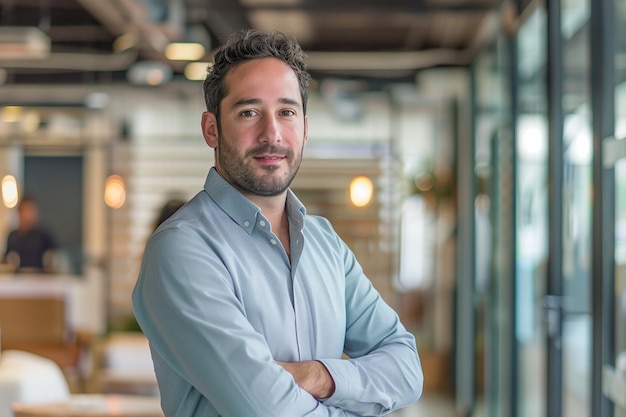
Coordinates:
<point>23,42</point>
<point>196,71</point>
<point>184,51</point>
<point>11,114</point>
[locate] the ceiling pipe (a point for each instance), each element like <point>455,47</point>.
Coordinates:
<point>383,61</point>
<point>77,61</point>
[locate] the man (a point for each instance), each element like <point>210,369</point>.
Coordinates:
<point>252,307</point>
<point>30,246</point>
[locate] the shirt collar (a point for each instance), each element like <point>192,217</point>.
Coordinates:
<point>243,211</point>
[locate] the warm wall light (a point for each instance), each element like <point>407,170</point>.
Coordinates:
<point>10,196</point>
<point>114,192</point>
<point>361,191</point>
<point>184,51</point>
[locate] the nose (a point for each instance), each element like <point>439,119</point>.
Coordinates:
<point>270,132</point>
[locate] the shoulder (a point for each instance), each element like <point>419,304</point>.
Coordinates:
<point>320,229</point>
<point>194,224</point>
<point>317,223</point>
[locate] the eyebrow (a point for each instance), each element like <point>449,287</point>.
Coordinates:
<point>248,101</point>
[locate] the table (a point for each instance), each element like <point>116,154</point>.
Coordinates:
<point>95,405</point>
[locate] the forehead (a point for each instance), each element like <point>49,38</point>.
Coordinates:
<point>262,76</point>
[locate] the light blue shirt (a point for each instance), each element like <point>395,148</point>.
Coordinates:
<point>220,302</point>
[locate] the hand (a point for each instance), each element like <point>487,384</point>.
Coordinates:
<point>311,376</point>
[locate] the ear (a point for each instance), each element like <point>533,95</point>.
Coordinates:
<point>306,129</point>
<point>209,129</point>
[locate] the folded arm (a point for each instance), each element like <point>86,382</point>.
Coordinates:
<point>383,371</point>
<point>311,376</point>
<point>201,333</point>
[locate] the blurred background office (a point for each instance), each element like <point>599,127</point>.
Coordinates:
<point>470,152</point>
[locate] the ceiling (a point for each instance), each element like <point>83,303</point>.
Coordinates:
<point>101,41</point>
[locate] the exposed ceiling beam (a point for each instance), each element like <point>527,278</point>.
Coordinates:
<point>407,7</point>
<point>400,62</point>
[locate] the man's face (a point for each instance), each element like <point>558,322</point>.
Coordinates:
<point>28,215</point>
<point>263,128</point>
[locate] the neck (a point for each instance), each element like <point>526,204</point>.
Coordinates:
<point>273,208</point>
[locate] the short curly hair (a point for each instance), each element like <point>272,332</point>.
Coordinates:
<point>246,45</point>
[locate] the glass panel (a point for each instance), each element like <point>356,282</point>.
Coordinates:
<point>620,271</point>
<point>495,165</point>
<point>620,194</point>
<point>532,215</point>
<point>577,201</point>
<point>491,114</point>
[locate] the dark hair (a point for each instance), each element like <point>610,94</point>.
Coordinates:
<point>247,45</point>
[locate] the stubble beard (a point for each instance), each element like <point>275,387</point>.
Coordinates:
<point>240,173</point>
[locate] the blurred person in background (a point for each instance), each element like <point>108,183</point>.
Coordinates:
<point>170,207</point>
<point>30,247</point>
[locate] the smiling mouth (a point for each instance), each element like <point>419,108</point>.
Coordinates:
<point>269,159</point>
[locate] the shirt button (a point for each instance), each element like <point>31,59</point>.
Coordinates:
<point>273,241</point>
<point>262,222</point>
<point>246,223</point>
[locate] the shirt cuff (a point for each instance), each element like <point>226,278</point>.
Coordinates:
<point>347,381</point>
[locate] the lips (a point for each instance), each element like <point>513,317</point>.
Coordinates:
<point>270,154</point>
<point>269,159</point>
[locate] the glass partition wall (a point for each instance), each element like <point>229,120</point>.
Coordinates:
<point>553,215</point>
<point>545,304</point>
<point>576,209</point>
<point>531,194</point>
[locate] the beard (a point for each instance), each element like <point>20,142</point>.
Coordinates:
<point>240,172</point>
